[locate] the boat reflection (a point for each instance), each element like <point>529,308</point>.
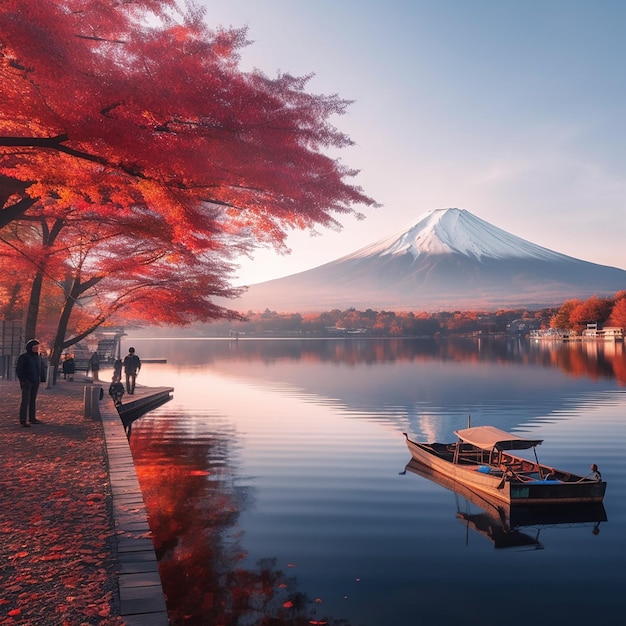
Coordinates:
<point>509,526</point>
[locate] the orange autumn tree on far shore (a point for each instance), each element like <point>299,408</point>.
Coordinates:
<point>576,314</point>
<point>618,312</point>
<point>139,109</point>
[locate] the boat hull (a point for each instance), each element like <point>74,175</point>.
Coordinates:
<point>508,526</point>
<point>492,482</point>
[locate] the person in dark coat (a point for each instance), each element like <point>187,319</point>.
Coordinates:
<point>117,370</point>
<point>30,372</point>
<point>132,365</point>
<point>94,366</point>
<point>69,366</point>
<point>116,388</point>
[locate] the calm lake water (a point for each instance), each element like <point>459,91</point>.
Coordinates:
<point>277,488</point>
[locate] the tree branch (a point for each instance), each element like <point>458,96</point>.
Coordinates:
<point>52,143</point>
<point>15,210</point>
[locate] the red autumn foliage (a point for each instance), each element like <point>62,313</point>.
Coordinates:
<point>98,108</point>
<point>193,508</point>
<point>157,158</point>
<point>618,313</point>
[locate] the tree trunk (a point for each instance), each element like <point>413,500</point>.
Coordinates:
<point>48,237</point>
<point>30,328</point>
<point>76,290</point>
<point>64,318</point>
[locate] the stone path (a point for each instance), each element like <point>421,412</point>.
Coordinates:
<point>75,545</point>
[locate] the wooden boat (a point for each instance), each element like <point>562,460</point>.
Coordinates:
<point>508,526</point>
<point>481,459</point>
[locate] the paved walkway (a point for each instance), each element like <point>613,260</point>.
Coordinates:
<point>75,545</point>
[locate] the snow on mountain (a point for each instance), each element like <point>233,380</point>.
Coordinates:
<point>445,231</point>
<point>448,260</point>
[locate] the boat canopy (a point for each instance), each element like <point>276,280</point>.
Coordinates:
<point>489,437</point>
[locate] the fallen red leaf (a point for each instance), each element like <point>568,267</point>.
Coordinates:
<point>52,557</point>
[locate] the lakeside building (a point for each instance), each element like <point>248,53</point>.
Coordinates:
<point>593,332</point>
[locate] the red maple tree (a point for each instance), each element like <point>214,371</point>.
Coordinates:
<point>92,267</point>
<point>99,107</point>
<point>117,117</point>
<point>119,113</point>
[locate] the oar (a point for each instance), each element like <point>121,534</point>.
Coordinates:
<point>505,475</point>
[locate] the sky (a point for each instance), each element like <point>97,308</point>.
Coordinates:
<point>512,109</point>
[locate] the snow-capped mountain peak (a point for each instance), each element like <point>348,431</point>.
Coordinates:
<point>447,260</point>
<point>457,231</point>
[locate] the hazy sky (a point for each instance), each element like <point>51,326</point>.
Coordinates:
<point>512,109</point>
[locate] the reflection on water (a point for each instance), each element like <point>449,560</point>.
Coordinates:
<point>273,488</point>
<point>425,387</point>
<point>589,358</point>
<point>194,504</point>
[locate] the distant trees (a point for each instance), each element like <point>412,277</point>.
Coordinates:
<point>576,314</point>
<point>137,160</point>
<point>618,313</point>
<point>571,315</point>
<point>562,317</point>
<point>376,323</point>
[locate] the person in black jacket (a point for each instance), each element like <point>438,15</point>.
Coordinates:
<point>94,366</point>
<point>30,372</point>
<point>117,370</point>
<point>69,367</point>
<point>132,365</point>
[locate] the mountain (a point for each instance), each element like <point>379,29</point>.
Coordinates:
<point>448,260</point>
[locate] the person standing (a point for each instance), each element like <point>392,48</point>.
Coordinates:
<point>94,366</point>
<point>132,365</point>
<point>117,371</point>
<point>69,367</point>
<point>30,372</point>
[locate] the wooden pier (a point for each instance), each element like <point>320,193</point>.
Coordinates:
<point>143,400</point>
<point>141,593</point>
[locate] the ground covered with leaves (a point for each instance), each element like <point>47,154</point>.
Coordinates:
<point>57,539</point>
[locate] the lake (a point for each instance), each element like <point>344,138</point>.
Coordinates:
<point>277,486</point>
